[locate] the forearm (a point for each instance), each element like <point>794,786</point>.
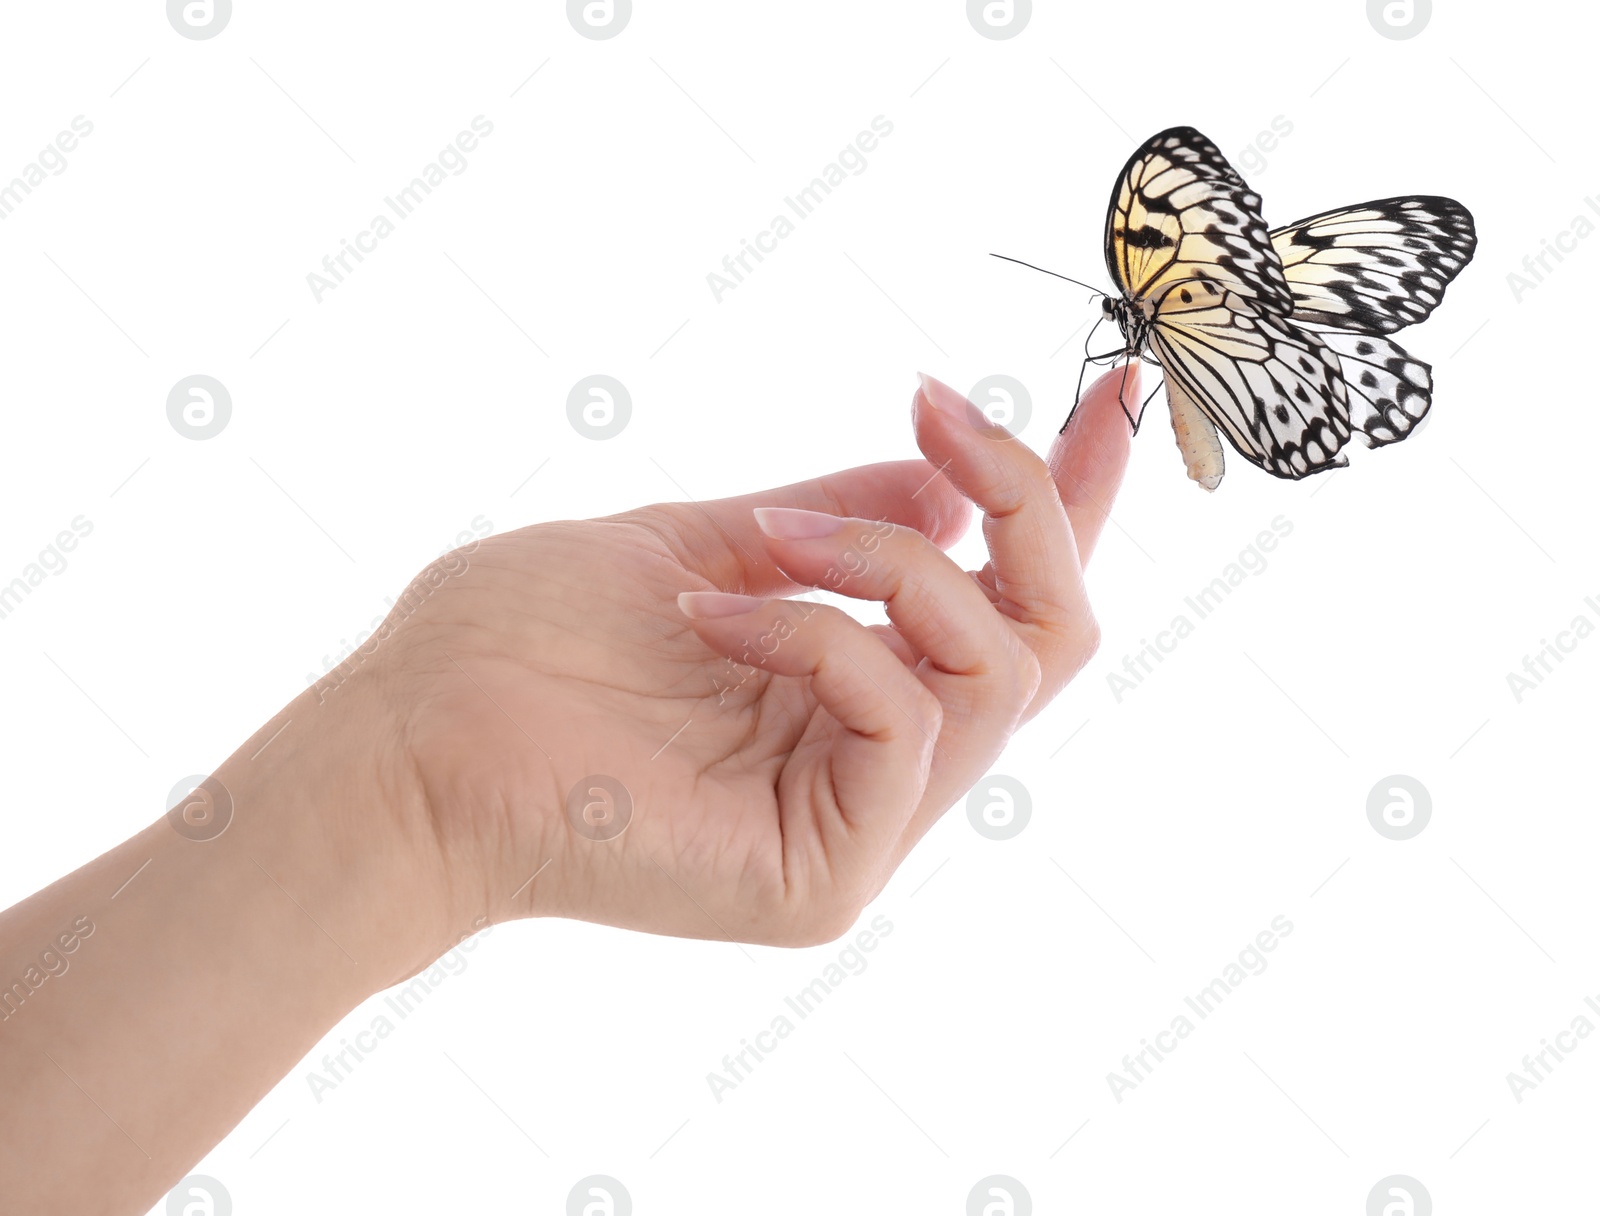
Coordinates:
<point>199,971</point>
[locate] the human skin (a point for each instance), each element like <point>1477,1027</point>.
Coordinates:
<point>423,794</point>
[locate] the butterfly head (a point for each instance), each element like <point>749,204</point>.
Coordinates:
<point>1133,321</point>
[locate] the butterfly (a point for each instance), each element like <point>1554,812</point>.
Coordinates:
<point>1277,340</point>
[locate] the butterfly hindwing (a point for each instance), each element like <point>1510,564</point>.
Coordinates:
<point>1275,390</point>
<point>1375,267</point>
<point>1179,213</point>
<point>1389,391</point>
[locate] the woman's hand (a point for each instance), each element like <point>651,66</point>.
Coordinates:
<point>577,719</point>
<point>626,709</point>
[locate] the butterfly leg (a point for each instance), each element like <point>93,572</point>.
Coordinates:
<point>1078,396</point>
<point>1134,422</point>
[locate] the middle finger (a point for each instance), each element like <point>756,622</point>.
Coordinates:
<point>1035,568</point>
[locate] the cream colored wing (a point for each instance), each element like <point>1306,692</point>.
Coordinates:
<point>1180,214</point>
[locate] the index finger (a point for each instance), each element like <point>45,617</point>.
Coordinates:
<point>1089,458</point>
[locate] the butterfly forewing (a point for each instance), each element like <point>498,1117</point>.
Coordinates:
<point>1376,267</point>
<point>1179,214</point>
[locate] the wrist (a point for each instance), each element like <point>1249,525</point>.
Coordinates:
<point>319,803</point>
<point>193,964</point>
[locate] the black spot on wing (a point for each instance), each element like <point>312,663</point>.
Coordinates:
<point>1390,391</point>
<point>1147,237</point>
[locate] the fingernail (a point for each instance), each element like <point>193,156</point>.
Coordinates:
<point>708,605</point>
<point>790,523</point>
<point>947,401</point>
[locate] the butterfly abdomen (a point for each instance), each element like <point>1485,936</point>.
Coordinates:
<point>1197,438</point>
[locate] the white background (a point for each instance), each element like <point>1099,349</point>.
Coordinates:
<point>1168,827</point>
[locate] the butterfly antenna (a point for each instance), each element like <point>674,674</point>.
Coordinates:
<point>1042,270</point>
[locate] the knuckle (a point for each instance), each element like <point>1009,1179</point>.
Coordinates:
<point>1027,673</point>
<point>1008,495</point>
<point>1074,640</point>
<point>656,515</point>
<point>911,545</point>
<point>1040,483</point>
<point>1085,643</point>
<point>668,522</point>
<point>834,501</point>
<point>828,922</point>
<point>929,711</point>
<point>1027,483</point>
<point>1089,639</point>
